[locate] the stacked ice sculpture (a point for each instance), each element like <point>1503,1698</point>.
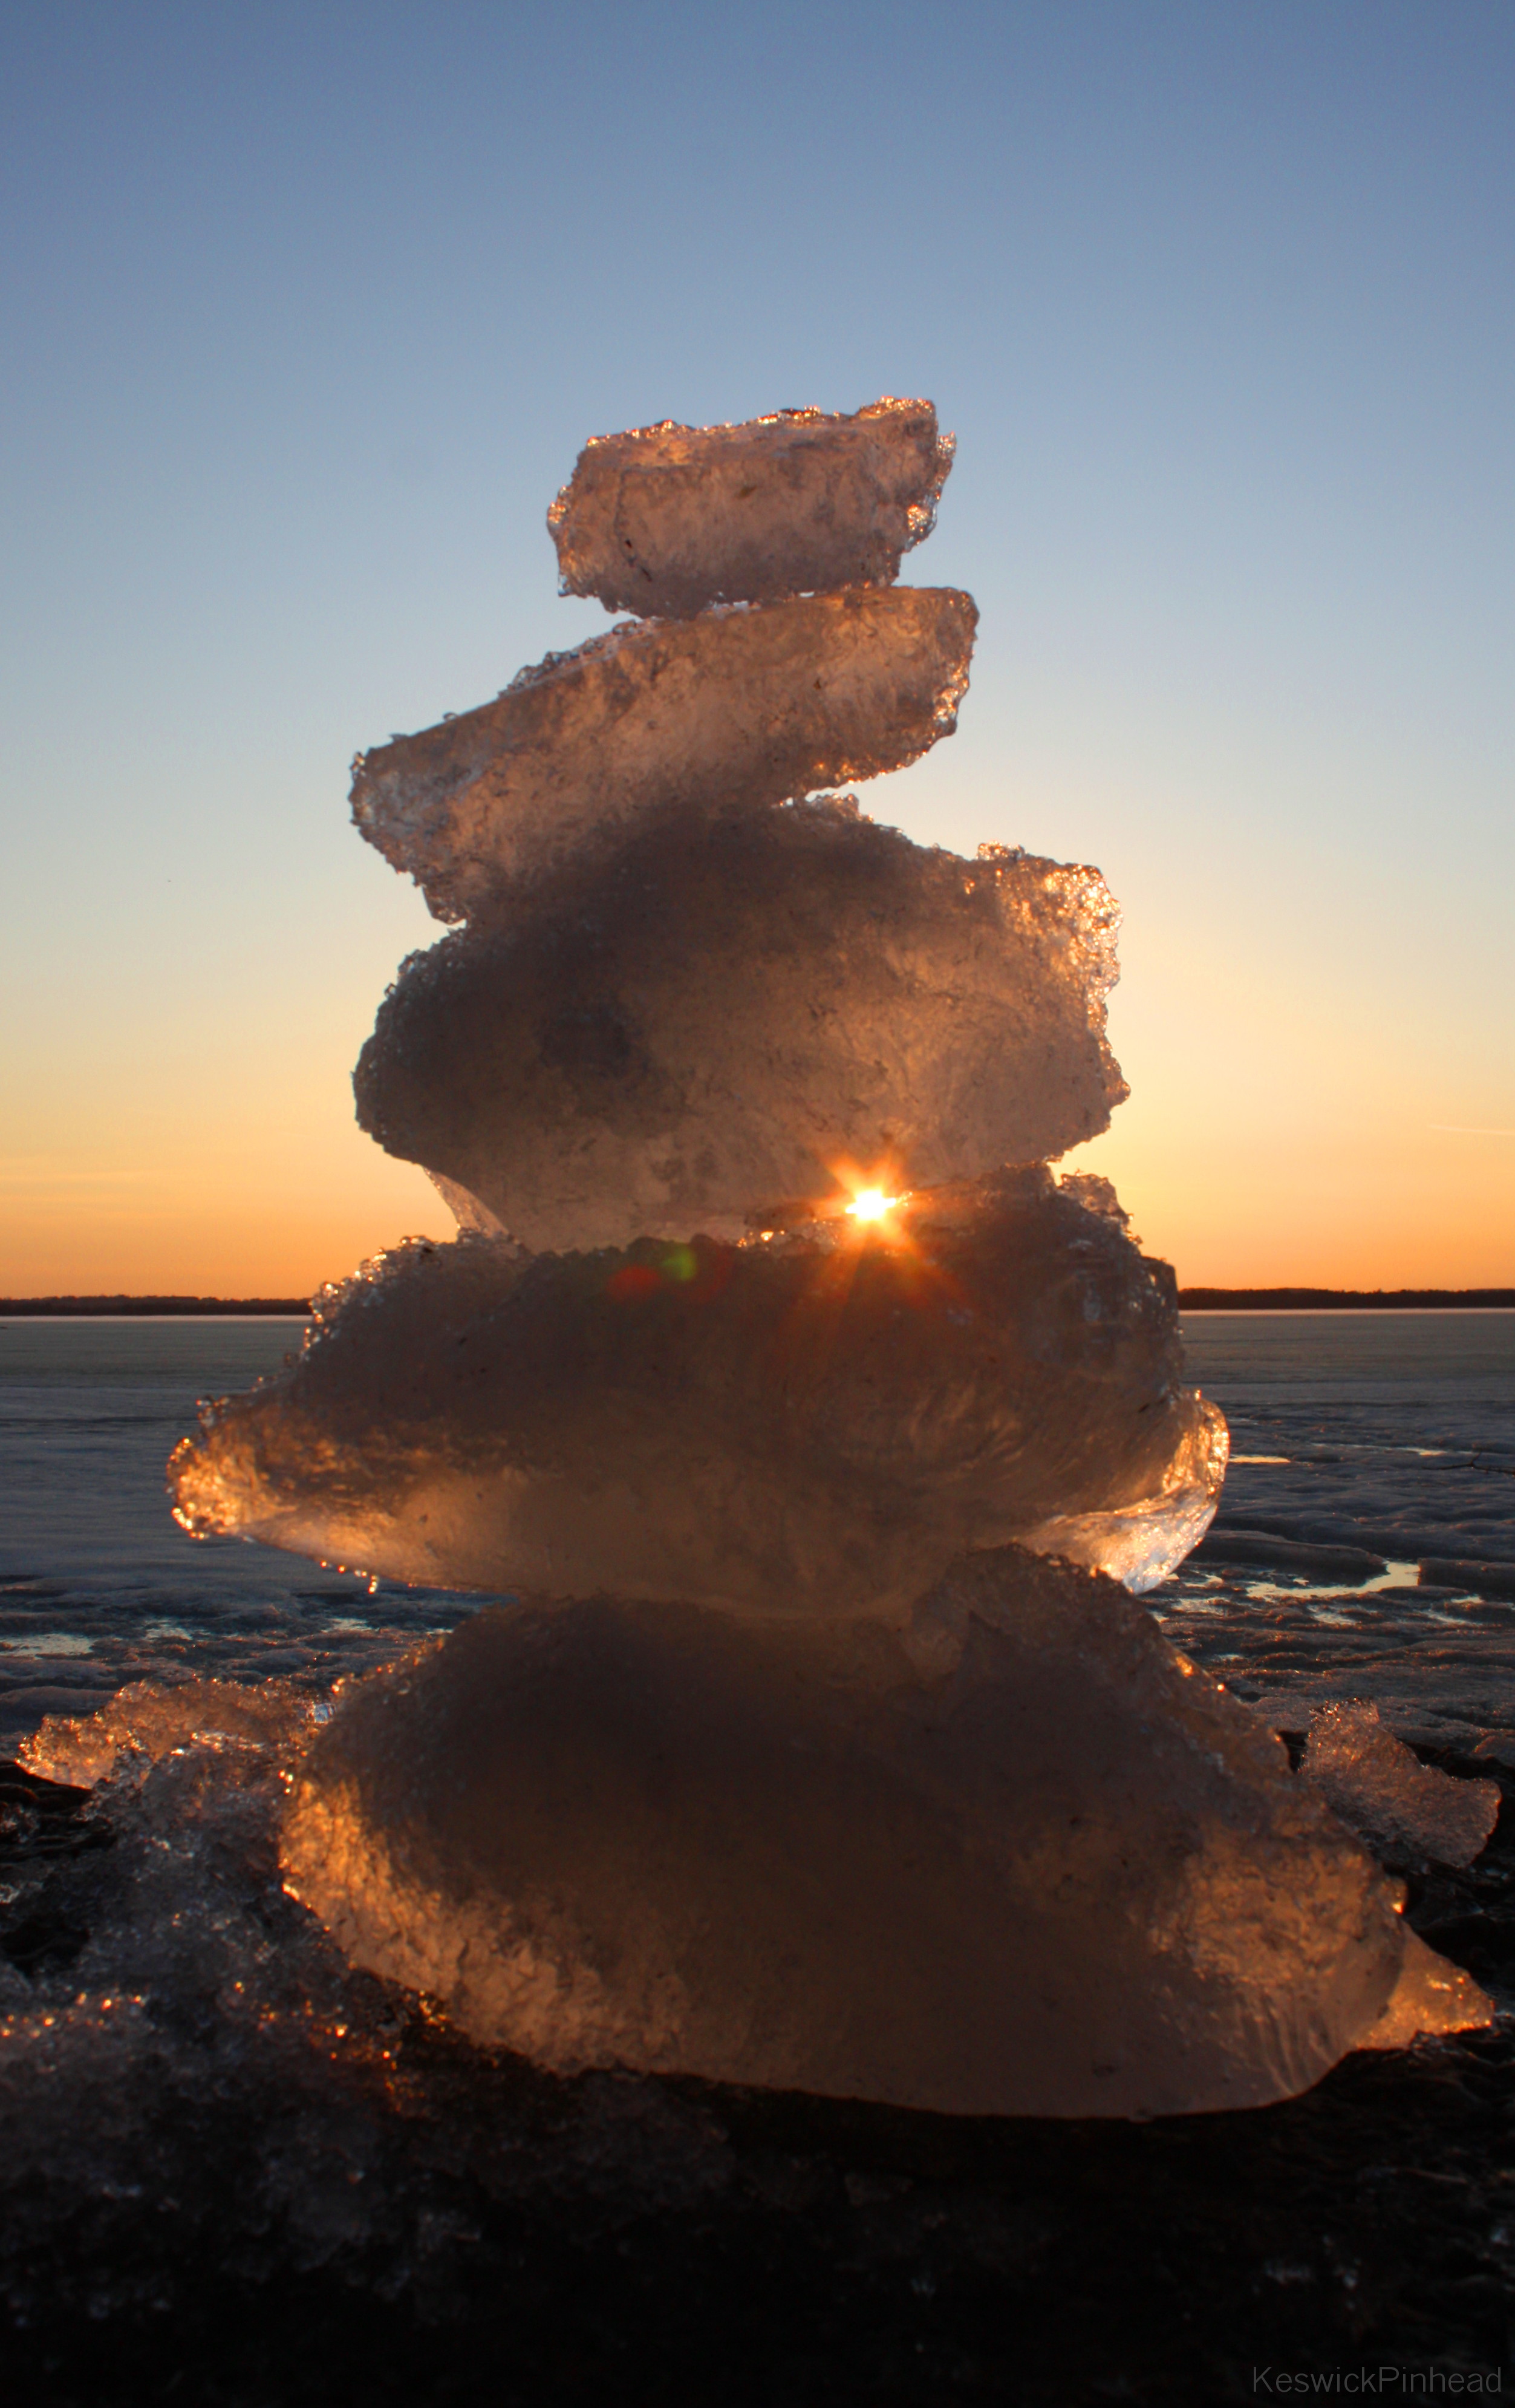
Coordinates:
<point>803,1416</point>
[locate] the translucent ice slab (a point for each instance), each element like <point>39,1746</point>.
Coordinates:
<point>1020,1860</point>
<point>729,1007</point>
<point>743,705</point>
<point>1138,1544</point>
<point>666,518</point>
<point>812,1423</point>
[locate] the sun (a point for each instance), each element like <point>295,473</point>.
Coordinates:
<point>871,1197</point>
<point>871,1204</point>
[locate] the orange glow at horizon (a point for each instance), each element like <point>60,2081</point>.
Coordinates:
<point>246,1175</point>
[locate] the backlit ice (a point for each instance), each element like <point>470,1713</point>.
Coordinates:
<point>817,1434</point>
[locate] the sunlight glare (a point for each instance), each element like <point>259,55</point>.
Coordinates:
<point>871,1204</point>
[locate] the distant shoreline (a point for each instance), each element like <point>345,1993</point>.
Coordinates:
<point>106,1307</point>
<point>1347,1299</point>
<point>1190,1299</point>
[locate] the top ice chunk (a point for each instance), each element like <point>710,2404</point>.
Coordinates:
<point>665,520</point>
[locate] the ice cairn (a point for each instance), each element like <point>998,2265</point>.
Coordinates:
<point>808,1426</point>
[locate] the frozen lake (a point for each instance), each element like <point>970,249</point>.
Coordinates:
<point>1391,1431</point>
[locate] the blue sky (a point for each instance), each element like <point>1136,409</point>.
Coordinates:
<point>307,311</point>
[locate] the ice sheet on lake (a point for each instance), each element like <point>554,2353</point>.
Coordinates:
<point>738,706</point>
<point>1018,1860</point>
<point>814,1422</point>
<point>1441,1671</point>
<point>665,520</point>
<point>718,1016</point>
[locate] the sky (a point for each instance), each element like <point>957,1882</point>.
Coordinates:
<point>307,311</point>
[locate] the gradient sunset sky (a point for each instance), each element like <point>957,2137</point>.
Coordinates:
<point>308,309</point>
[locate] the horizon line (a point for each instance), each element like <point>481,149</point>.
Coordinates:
<point>1295,1295</point>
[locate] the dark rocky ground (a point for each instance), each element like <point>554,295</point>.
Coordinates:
<point>521,2240</point>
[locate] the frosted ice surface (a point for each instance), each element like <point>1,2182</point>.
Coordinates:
<point>1019,1860</point>
<point>714,1018</point>
<point>750,706</point>
<point>664,520</point>
<point>816,1423</point>
<point>1398,1806</point>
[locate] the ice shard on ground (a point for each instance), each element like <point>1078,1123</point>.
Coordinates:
<point>1400,1807</point>
<point>814,1422</point>
<point>741,706</point>
<point>665,520</point>
<point>734,1004</point>
<point>811,1417</point>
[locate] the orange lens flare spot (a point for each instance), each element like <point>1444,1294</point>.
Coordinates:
<point>633,1282</point>
<point>696,1272</point>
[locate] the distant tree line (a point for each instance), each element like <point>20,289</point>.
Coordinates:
<point>92,1307</point>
